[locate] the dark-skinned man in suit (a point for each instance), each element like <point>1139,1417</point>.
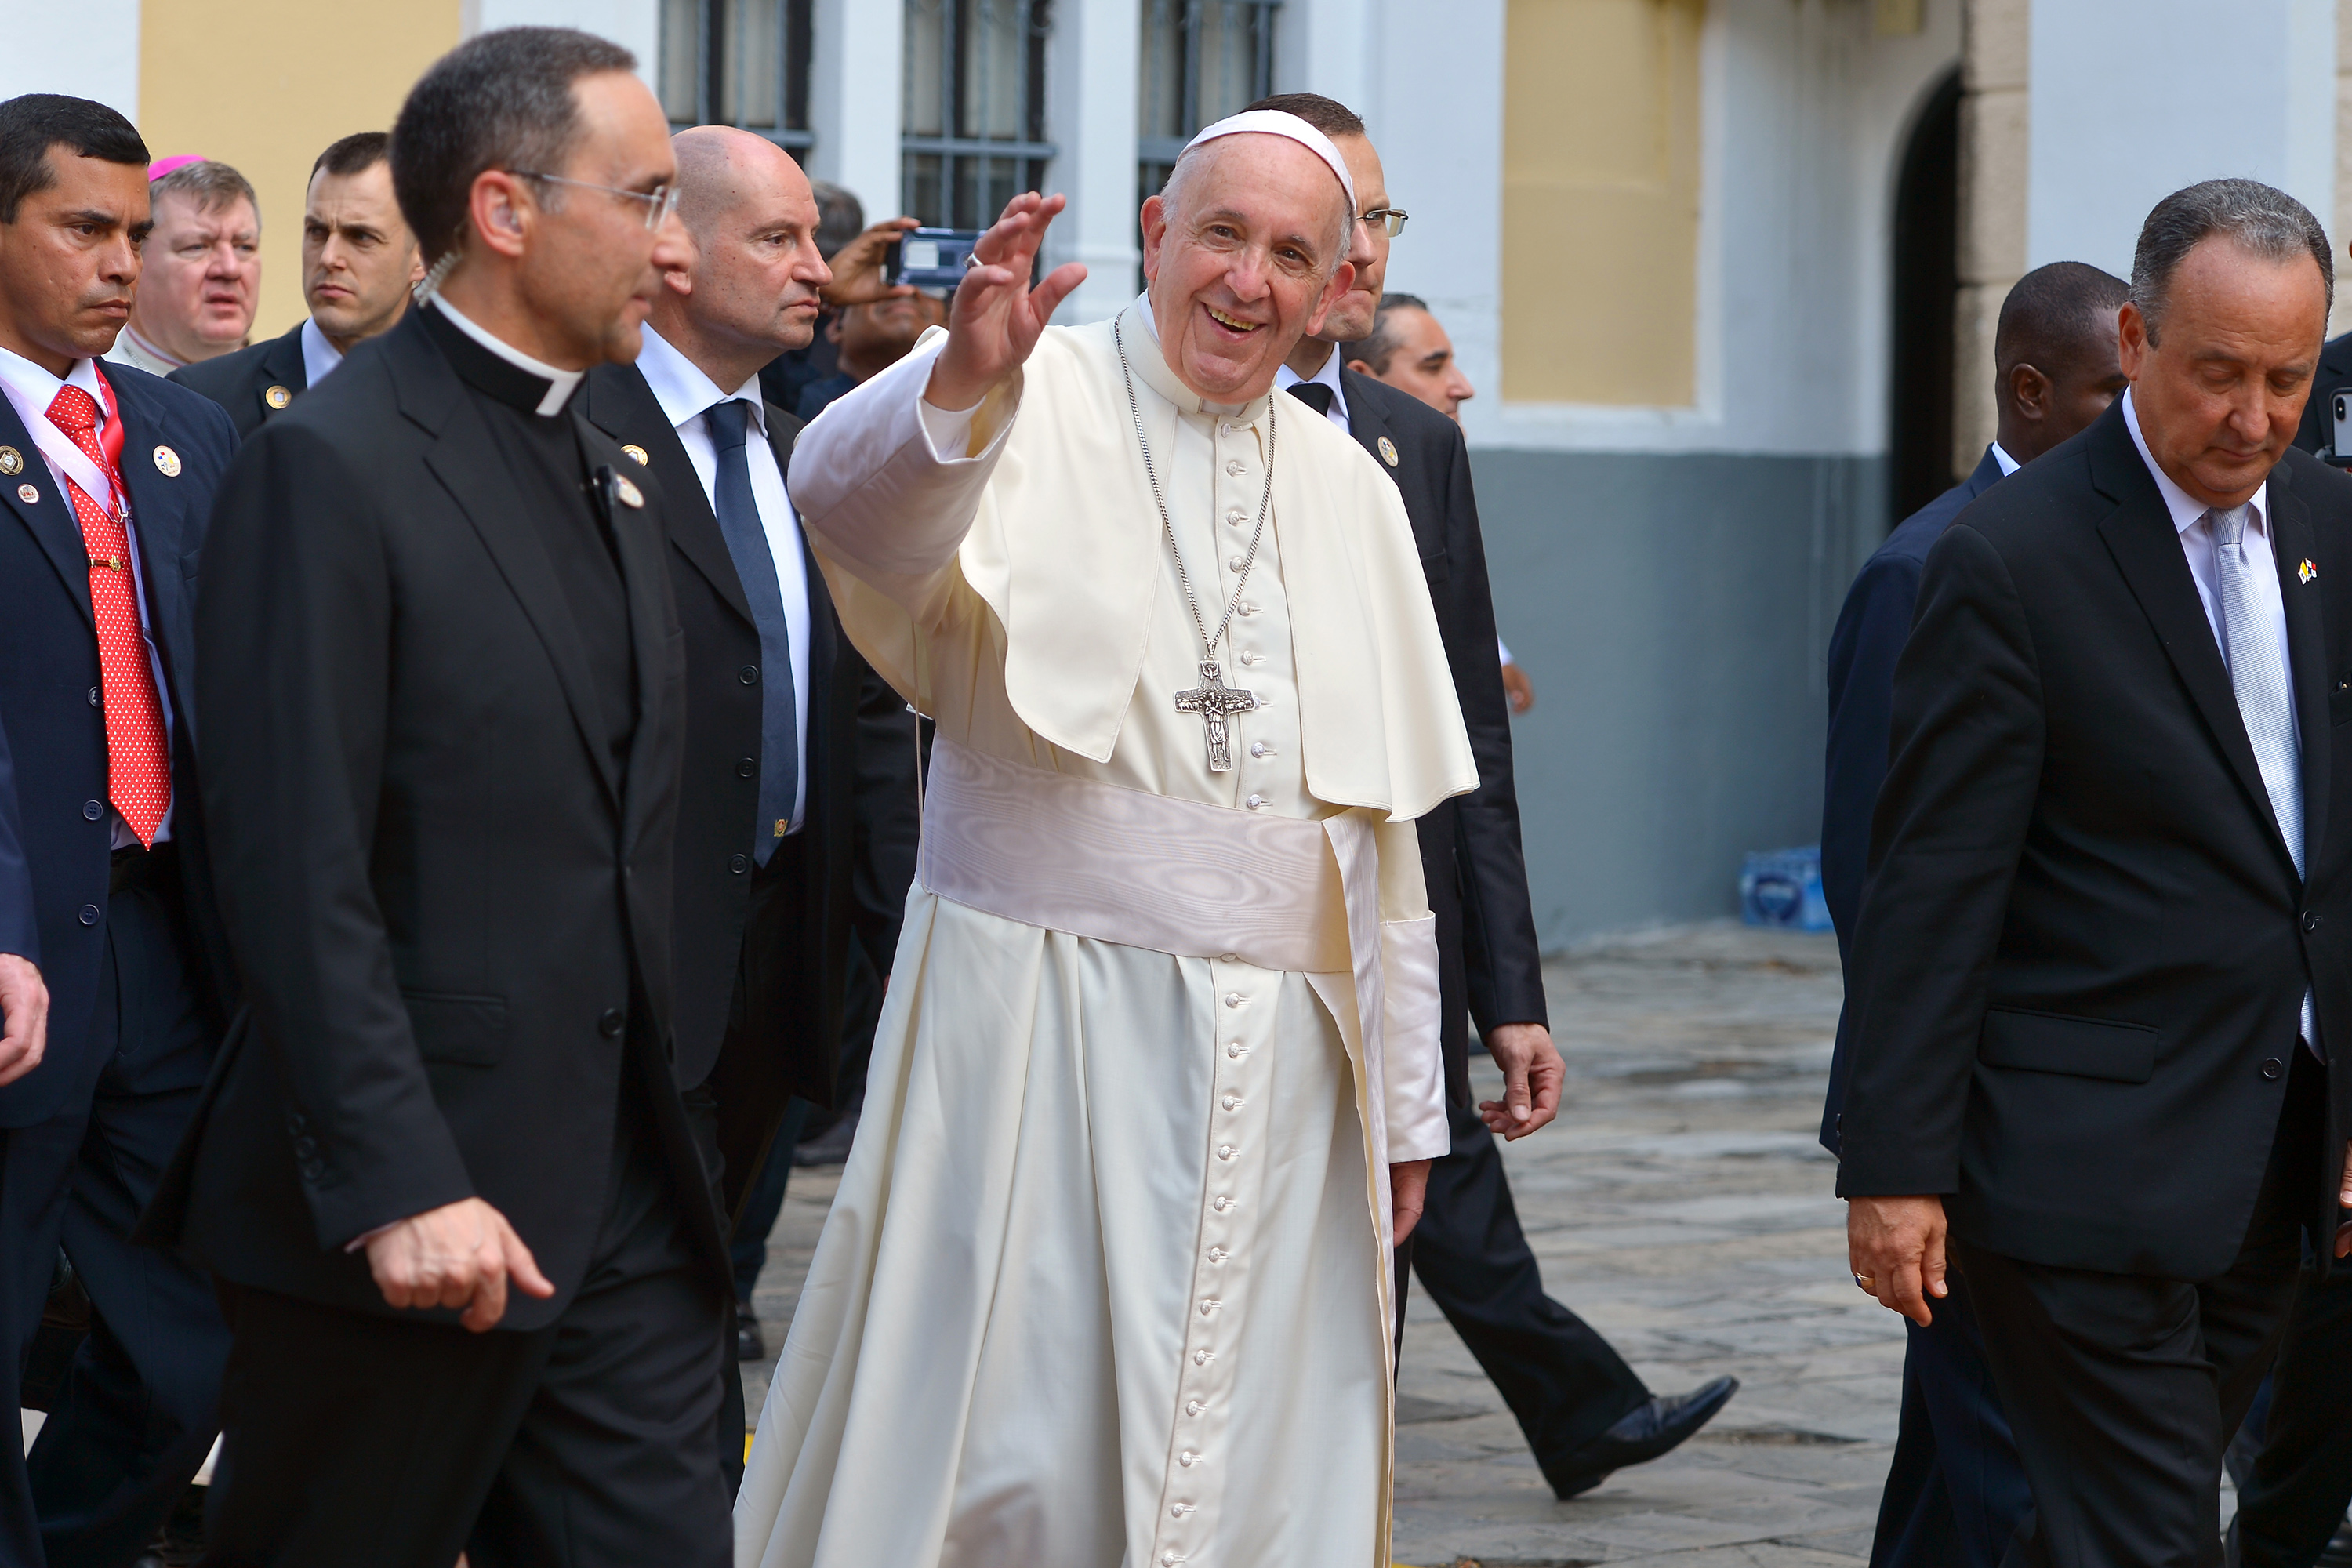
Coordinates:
<point>1585,1413</point>
<point>474,1275</point>
<point>2100,966</point>
<point>108,476</point>
<point>1954,1489</point>
<point>359,263</point>
<point>796,806</point>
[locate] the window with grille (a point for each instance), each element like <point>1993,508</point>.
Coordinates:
<point>974,126</point>
<point>737,62</point>
<point>1201,60</point>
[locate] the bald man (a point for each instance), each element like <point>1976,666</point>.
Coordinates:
<point>796,802</point>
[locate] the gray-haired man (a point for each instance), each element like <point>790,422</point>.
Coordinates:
<point>2102,951</point>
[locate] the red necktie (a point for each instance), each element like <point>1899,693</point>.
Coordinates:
<point>138,762</point>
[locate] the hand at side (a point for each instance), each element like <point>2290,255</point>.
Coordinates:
<point>24,1014</point>
<point>1408,1190</point>
<point>459,1255</point>
<point>1895,1248</point>
<point>1533,1076</point>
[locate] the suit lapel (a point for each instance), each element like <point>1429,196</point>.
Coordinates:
<point>824,626</point>
<point>2293,543</point>
<point>160,505</point>
<point>477,481</point>
<point>51,517</point>
<point>2146,546</point>
<point>281,365</point>
<point>622,406</point>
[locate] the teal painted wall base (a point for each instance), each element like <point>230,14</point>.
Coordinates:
<point>1673,612</point>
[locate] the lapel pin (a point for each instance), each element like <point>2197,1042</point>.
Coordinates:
<point>12,461</point>
<point>167,462</point>
<point>2307,571</point>
<point>635,453</point>
<point>29,495</point>
<point>1388,452</point>
<point>278,397</point>
<point>627,491</point>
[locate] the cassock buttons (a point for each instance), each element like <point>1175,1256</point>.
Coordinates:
<point>635,453</point>
<point>167,462</point>
<point>1388,452</point>
<point>12,461</point>
<point>277,397</point>
<point>28,494</point>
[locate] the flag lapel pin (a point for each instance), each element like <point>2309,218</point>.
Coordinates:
<point>2307,572</point>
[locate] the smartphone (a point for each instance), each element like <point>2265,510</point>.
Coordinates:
<point>2343,442</point>
<point>930,258</point>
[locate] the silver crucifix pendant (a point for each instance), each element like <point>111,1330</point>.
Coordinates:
<point>1215,702</point>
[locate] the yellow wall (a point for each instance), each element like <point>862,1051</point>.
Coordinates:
<point>1600,172</point>
<point>266,85</point>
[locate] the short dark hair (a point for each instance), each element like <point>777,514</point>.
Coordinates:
<point>1328,115</point>
<point>2053,315</point>
<point>32,124</point>
<point>841,216</point>
<point>1378,347</point>
<point>359,152</point>
<point>501,101</point>
<point>2260,218</point>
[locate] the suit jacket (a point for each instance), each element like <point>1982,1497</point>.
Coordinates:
<point>1490,967</point>
<point>450,905</point>
<point>2318,432</point>
<point>858,829</point>
<point>1870,632</point>
<point>2084,946</point>
<point>241,381</point>
<point>20,931</point>
<point>48,689</point>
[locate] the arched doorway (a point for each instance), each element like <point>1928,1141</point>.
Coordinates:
<point>1926,288</point>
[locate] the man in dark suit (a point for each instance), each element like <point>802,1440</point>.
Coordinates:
<point>107,475</point>
<point>358,262</point>
<point>2101,956</point>
<point>24,995</point>
<point>1585,1413</point>
<point>797,803</point>
<point>1954,1489</point>
<point>443,1175</point>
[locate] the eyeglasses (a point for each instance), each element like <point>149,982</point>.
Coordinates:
<point>1387,218</point>
<point>660,202</point>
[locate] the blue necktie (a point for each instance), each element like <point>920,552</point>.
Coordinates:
<point>747,546</point>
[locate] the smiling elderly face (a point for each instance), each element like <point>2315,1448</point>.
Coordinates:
<point>1244,253</point>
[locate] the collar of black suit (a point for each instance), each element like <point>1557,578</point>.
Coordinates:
<point>484,369</point>
<point>281,362</point>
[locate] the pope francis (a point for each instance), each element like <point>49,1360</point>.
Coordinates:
<point>1105,1284</point>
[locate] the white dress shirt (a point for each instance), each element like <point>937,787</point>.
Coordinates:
<point>2197,541</point>
<point>319,357</point>
<point>1284,377</point>
<point>30,390</point>
<point>686,395</point>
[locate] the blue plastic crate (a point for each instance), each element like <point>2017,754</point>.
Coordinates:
<point>1783,888</point>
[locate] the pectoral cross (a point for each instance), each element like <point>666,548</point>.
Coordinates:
<point>1215,702</point>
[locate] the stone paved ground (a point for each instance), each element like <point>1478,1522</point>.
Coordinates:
<point>1681,1206</point>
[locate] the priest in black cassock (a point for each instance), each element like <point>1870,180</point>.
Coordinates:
<point>474,1274</point>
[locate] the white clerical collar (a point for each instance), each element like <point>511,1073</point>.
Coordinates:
<point>319,357</point>
<point>684,392</point>
<point>1152,364</point>
<point>2008,464</point>
<point>2187,510</point>
<point>563,381</point>
<point>1327,376</point>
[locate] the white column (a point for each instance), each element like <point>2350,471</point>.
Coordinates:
<point>856,79</point>
<point>2134,98</point>
<point>48,50</point>
<point>1333,48</point>
<point>1091,76</point>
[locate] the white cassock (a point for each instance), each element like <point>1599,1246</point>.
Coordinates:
<point>1106,1281</point>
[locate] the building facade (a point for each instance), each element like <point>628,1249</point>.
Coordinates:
<point>1722,270</point>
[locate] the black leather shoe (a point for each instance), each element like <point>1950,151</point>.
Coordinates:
<point>749,1345</point>
<point>1649,1431</point>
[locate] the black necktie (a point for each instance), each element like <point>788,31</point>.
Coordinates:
<point>747,546</point>
<point>1313,394</point>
